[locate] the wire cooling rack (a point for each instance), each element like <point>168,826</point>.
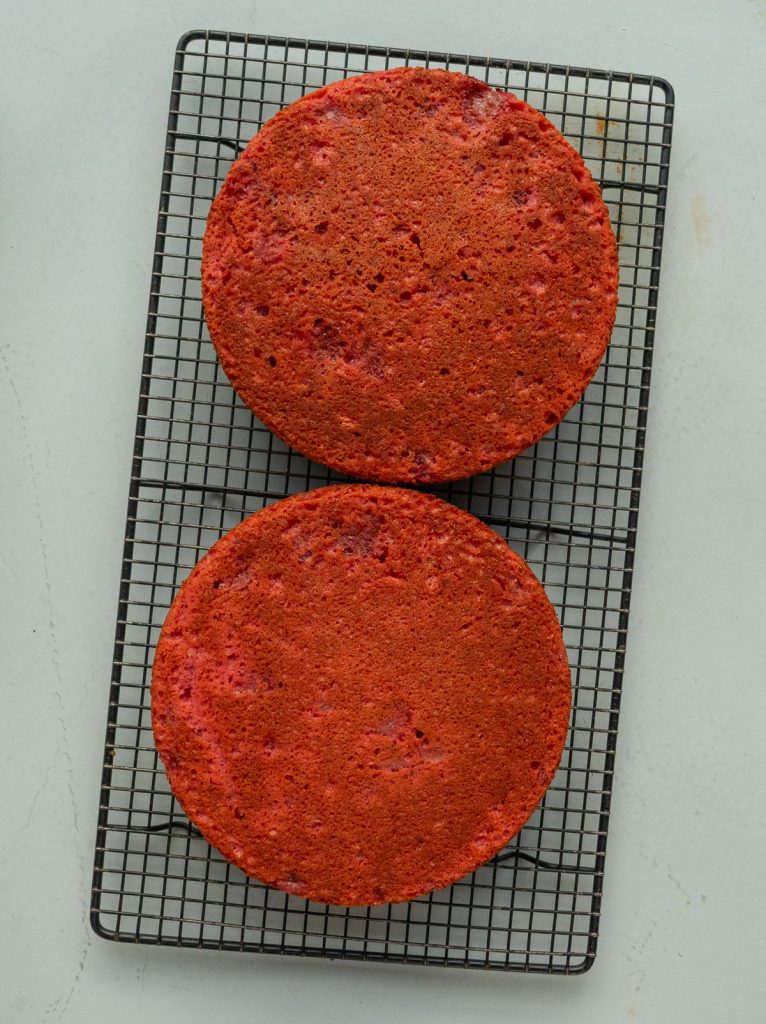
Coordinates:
<point>202,463</point>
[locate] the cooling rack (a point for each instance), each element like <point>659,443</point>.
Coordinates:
<point>202,463</point>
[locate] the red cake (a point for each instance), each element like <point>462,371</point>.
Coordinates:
<point>409,276</point>
<point>360,694</point>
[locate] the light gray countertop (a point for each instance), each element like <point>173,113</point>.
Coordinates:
<point>683,931</point>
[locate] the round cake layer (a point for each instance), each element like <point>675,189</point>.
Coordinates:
<point>409,276</point>
<point>360,694</point>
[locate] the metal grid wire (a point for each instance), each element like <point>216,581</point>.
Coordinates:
<point>202,462</point>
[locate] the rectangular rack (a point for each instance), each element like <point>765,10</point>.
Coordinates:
<point>202,463</point>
